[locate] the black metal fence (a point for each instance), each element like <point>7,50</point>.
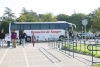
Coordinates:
<point>73,46</point>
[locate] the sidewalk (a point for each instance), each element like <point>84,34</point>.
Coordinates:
<point>40,56</point>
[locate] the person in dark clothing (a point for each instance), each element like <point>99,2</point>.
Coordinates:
<point>22,37</point>
<point>70,35</point>
<point>20,41</point>
<point>2,38</point>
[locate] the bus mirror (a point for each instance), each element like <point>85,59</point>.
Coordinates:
<point>74,25</point>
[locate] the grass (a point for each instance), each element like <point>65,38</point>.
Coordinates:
<point>97,65</point>
<point>83,49</point>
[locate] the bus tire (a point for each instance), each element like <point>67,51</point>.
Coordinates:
<point>61,37</point>
<point>28,39</point>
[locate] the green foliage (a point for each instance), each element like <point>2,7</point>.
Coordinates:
<point>83,50</point>
<point>27,16</point>
<point>76,18</point>
<point>5,25</point>
<point>96,20</point>
<point>62,17</point>
<point>6,19</point>
<point>96,65</point>
<point>22,18</point>
<point>8,15</point>
<point>48,17</point>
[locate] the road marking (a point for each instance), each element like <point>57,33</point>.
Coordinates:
<point>56,64</point>
<point>48,65</point>
<point>26,58</point>
<point>51,59</point>
<point>3,56</point>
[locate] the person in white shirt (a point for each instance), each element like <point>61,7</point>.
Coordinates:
<point>8,39</point>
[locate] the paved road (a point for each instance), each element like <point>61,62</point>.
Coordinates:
<point>40,56</point>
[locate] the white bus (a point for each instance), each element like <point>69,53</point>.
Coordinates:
<point>42,30</point>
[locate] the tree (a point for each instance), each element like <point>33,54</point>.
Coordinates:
<point>96,20</point>
<point>5,25</point>
<point>22,18</point>
<point>77,19</point>
<point>62,17</point>
<point>8,15</point>
<point>48,17</point>
<point>28,16</point>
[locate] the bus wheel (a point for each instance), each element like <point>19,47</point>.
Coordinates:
<point>28,39</point>
<point>61,37</point>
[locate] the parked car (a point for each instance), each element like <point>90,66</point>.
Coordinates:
<point>82,35</point>
<point>88,36</point>
<point>91,35</point>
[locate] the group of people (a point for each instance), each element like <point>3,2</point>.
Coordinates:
<point>13,37</point>
<point>72,35</point>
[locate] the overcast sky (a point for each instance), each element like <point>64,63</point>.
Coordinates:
<point>54,6</point>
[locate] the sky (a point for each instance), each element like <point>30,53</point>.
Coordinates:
<point>53,6</point>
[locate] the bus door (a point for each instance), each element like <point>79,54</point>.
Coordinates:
<point>66,33</point>
<point>20,31</point>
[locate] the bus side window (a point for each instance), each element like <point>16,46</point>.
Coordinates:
<point>44,26</point>
<point>52,26</point>
<point>27,26</point>
<point>57,26</point>
<point>35,26</point>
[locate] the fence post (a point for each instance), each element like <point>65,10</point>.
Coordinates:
<point>73,49</point>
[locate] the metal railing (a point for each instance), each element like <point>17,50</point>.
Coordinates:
<point>64,46</point>
<point>69,46</point>
<point>89,48</point>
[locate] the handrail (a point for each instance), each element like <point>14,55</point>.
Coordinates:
<point>75,44</point>
<point>97,45</point>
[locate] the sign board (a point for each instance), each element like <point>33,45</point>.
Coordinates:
<point>84,22</point>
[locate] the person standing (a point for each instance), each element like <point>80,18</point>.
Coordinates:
<point>70,35</point>
<point>2,37</point>
<point>8,39</point>
<point>23,36</point>
<point>33,39</point>
<point>13,38</point>
<point>20,42</point>
<point>76,35</point>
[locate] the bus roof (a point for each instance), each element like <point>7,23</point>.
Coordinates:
<point>41,22</point>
